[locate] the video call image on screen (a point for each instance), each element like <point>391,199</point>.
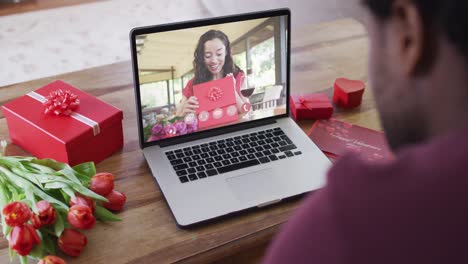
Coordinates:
<point>207,77</point>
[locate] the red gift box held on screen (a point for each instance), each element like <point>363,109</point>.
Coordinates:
<point>92,132</point>
<point>217,101</point>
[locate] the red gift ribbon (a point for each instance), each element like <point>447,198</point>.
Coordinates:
<point>304,102</point>
<point>215,93</point>
<point>61,102</point>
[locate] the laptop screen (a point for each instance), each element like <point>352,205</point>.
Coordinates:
<point>212,76</point>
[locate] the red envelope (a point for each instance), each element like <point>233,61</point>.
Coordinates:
<point>217,101</point>
<point>335,138</point>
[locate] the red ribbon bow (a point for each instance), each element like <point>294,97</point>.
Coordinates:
<point>61,103</point>
<point>215,93</point>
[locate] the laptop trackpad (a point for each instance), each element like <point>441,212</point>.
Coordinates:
<point>261,187</point>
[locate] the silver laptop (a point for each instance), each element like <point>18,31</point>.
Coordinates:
<point>213,115</point>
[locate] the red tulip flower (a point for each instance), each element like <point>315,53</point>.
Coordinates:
<point>116,200</point>
<point>102,183</point>
<point>83,200</point>
<point>23,238</point>
<point>16,213</point>
<point>81,216</point>
<point>52,260</point>
<point>46,216</point>
<point>72,242</point>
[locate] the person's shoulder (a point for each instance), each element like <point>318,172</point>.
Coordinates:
<point>399,199</point>
<point>351,173</point>
<point>353,163</point>
<point>188,90</point>
<point>190,83</point>
<point>362,188</point>
<point>435,160</point>
<point>240,74</point>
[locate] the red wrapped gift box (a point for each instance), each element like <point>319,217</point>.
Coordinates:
<point>311,106</point>
<point>91,133</point>
<point>217,101</point>
<point>348,93</point>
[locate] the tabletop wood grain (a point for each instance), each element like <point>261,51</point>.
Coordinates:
<point>148,233</point>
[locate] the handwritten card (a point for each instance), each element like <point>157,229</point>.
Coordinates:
<point>336,138</point>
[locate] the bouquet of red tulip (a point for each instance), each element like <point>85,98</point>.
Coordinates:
<point>44,202</point>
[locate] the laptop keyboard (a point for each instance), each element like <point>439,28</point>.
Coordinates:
<point>226,155</point>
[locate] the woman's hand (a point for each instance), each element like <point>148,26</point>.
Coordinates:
<point>188,106</point>
<point>191,105</point>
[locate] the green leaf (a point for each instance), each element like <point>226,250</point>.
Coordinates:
<point>58,178</point>
<point>7,228</point>
<point>70,174</point>
<point>49,245</point>
<point>3,145</point>
<point>3,202</point>
<point>3,195</point>
<point>18,181</point>
<point>11,253</point>
<point>15,195</point>
<point>55,185</point>
<point>44,178</point>
<point>105,215</point>
<point>49,198</point>
<point>57,168</point>
<point>42,168</point>
<point>59,225</point>
<point>3,177</point>
<point>24,166</point>
<point>87,169</point>
<point>13,161</point>
<point>69,192</point>
<point>30,196</point>
<point>23,259</point>
<point>52,164</point>
<point>39,250</point>
<point>87,192</point>
<point>4,227</point>
<point>27,176</point>
<point>80,189</point>
<point>25,184</point>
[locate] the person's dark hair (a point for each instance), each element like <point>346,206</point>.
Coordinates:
<point>448,17</point>
<point>202,74</point>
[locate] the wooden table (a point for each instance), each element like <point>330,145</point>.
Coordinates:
<point>148,234</point>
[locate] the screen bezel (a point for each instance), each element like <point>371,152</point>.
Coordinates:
<point>199,23</point>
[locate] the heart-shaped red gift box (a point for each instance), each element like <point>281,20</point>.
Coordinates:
<point>348,93</point>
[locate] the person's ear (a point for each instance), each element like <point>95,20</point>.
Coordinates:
<point>408,37</point>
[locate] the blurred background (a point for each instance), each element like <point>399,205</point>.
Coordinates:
<point>40,38</point>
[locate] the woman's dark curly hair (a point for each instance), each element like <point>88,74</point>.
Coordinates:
<point>447,17</point>
<point>202,74</point>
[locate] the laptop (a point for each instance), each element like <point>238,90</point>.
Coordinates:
<point>214,150</point>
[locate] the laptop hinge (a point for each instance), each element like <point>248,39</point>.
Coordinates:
<point>207,134</point>
<point>269,203</point>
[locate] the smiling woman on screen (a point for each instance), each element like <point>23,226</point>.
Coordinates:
<point>213,61</point>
